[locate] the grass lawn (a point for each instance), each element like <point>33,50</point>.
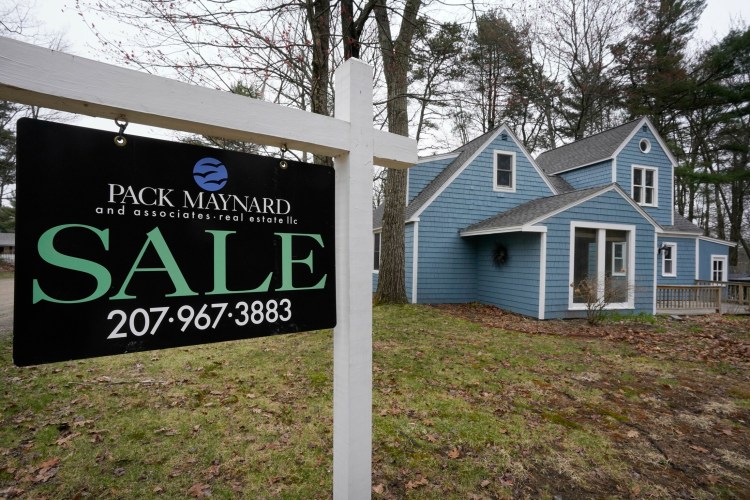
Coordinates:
<point>462,409</point>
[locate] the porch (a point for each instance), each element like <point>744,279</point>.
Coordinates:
<point>705,297</point>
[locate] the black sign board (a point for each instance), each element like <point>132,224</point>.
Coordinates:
<point>159,244</point>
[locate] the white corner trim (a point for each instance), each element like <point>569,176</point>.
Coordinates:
<point>414,263</point>
<point>614,169</point>
<point>542,273</point>
<point>654,287</point>
<point>697,258</point>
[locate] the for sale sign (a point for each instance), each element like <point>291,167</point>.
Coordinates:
<point>157,244</point>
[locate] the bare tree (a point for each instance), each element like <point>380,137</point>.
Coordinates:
<point>395,52</point>
<point>578,34</point>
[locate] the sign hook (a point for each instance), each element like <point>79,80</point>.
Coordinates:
<point>120,139</point>
<point>282,163</point>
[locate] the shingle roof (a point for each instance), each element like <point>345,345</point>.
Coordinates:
<point>586,151</point>
<point>682,225</point>
<point>532,210</point>
<point>560,184</point>
<point>7,239</point>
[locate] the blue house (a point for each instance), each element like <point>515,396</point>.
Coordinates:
<point>488,223</point>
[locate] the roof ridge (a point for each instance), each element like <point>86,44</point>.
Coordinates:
<point>592,136</point>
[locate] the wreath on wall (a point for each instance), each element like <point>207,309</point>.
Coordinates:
<point>499,254</point>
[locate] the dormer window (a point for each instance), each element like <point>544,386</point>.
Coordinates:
<point>645,181</point>
<point>504,166</point>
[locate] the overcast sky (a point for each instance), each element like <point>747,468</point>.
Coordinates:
<point>60,17</point>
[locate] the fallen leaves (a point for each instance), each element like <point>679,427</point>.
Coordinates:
<point>417,483</point>
<point>709,338</point>
<point>199,490</point>
<point>47,470</point>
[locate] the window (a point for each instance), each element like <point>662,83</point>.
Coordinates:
<point>504,171</point>
<point>601,267</point>
<point>376,265</point>
<point>718,268</point>
<point>618,259</point>
<point>645,145</point>
<point>644,186</point>
<point>669,260</point>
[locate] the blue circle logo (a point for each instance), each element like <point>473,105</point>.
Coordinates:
<point>210,174</point>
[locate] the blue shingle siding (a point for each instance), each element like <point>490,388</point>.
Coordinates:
<point>447,269</point>
<point>632,155</point>
<point>685,262</point>
<point>514,285</point>
<point>593,175</point>
<point>375,277</point>
<point>608,208</point>
<point>706,249</point>
<point>422,174</point>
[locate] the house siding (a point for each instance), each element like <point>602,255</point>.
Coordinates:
<point>607,208</point>
<point>705,250</point>
<point>408,257</point>
<point>514,285</point>
<point>421,174</point>
<point>598,174</point>
<point>447,268</point>
<point>685,262</point>
<point>656,158</point>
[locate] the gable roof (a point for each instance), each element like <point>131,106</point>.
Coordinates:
<point>591,149</point>
<point>465,152</point>
<point>466,155</point>
<point>462,155</point>
<point>529,213</point>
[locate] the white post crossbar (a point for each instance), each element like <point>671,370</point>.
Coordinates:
<point>52,79</point>
<point>42,77</point>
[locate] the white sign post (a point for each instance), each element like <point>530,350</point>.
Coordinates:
<point>42,77</point>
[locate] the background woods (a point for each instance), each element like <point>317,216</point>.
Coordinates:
<point>553,70</point>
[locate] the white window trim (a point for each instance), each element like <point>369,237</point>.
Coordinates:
<point>655,170</point>
<point>648,145</point>
<point>625,250</point>
<point>601,252</point>
<point>513,170</point>
<point>673,254</point>
<point>724,271</point>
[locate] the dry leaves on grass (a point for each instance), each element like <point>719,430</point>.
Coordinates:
<point>417,483</point>
<point>199,490</point>
<point>710,338</point>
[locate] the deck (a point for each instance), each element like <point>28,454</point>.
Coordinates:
<point>705,297</point>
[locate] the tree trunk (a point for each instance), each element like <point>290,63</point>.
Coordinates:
<point>319,20</point>
<point>395,53</point>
